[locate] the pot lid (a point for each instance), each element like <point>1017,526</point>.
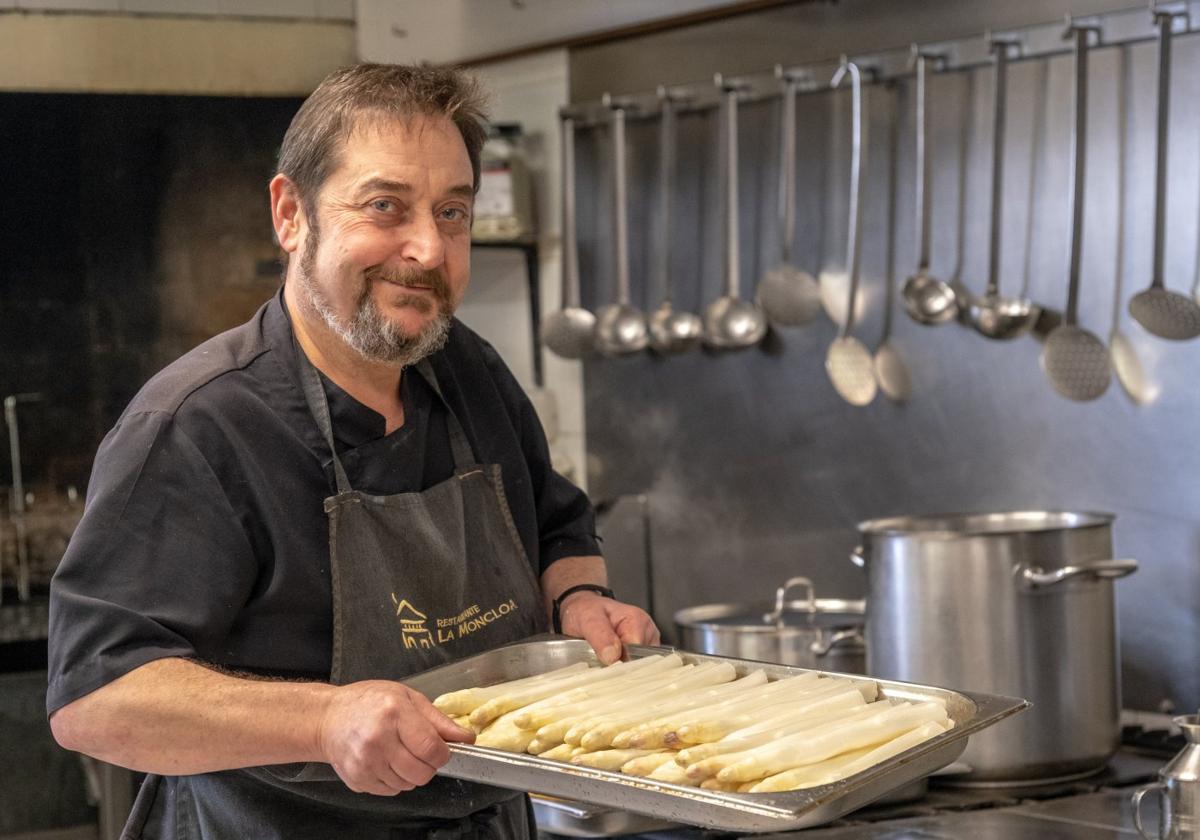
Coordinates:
<point>983,524</point>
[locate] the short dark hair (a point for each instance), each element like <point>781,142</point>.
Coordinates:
<point>376,91</point>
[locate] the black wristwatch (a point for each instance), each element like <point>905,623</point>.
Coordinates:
<point>556,618</point>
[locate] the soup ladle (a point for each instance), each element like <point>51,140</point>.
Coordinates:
<point>993,315</point>
<point>731,323</point>
<point>927,300</point>
<point>671,330</point>
<point>568,332</point>
<point>620,328</point>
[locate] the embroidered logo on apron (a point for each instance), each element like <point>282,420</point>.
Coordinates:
<point>415,633</point>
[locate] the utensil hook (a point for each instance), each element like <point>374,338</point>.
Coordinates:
<point>1080,33</point>
<point>729,100</point>
<point>570,279</point>
<point>1000,48</point>
<point>923,176</point>
<point>620,219</point>
<point>1163,20</point>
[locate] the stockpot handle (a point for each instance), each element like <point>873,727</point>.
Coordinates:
<point>810,603</point>
<point>1100,569</point>
<point>1164,806</point>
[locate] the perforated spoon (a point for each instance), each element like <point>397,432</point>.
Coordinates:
<point>788,295</point>
<point>927,300</point>
<point>620,328</point>
<point>993,315</point>
<point>671,330</point>
<point>1075,361</point>
<point>568,332</point>
<point>1162,312</point>
<point>731,323</point>
<point>848,362</point>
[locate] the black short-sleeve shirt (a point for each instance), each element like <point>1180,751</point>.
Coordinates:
<point>204,533</point>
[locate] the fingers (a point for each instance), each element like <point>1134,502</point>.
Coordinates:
<point>637,628</point>
<point>446,729</point>
<point>588,618</point>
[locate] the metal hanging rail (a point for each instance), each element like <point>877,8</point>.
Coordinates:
<point>1039,41</point>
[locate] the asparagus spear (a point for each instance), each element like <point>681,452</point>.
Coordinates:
<point>466,700</point>
<point>647,764</point>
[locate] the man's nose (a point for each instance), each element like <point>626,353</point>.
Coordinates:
<point>423,243</point>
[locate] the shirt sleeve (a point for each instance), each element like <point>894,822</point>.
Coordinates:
<point>566,521</point>
<point>158,567</point>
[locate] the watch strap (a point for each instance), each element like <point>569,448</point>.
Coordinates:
<point>556,612</point>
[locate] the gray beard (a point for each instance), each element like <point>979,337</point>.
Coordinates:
<point>368,332</point>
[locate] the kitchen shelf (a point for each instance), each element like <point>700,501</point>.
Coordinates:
<point>529,247</point>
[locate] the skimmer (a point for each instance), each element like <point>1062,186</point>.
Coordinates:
<point>1162,312</point>
<point>1075,361</point>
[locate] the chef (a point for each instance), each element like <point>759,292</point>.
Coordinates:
<point>346,490</point>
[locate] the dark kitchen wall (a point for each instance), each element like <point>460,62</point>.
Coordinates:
<point>131,228</point>
<point>752,467</point>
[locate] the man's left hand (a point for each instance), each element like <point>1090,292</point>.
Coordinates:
<point>607,625</point>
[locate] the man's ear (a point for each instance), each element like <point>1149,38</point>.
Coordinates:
<point>287,214</point>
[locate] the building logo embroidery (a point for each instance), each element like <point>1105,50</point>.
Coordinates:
<point>416,633</point>
<point>412,625</point>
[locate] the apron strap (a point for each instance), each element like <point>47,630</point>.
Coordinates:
<point>318,406</point>
<point>464,456</point>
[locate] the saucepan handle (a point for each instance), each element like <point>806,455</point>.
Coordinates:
<point>1103,569</point>
<point>1164,808</point>
<point>781,602</point>
<point>821,646</point>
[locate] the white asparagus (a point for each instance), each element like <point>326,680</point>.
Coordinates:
<point>503,734</point>
<point>672,773</point>
<point>710,673</point>
<point>647,764</point>
<point>523,696</point>
<point>847,764</point>
<point>719,724</point>
<point>559,720</point>
<point>605,733</point>
<point>716,761</point>
<point>621,679</point>
<point>650,731</point>
<point>560,753</point>
<point>809,748</point>
<point>609,759</point>
<point>545,711</point>
<point>466,700</point>
<point>716,784</point>
<point>753,736</point>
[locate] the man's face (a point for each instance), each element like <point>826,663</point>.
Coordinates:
<point>386,258</point>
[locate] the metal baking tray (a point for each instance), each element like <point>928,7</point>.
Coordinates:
<point>742,812</point>
<point>580,819</point>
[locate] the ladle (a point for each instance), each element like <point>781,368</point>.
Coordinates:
<point>1125,361</point>
<point>620,328</point>
<point>1075,361</point>
<point>994,315</point>
<point>848,363</point>
<point>671,330</point>
<point>788,295</point>
<point>569,331</point>
<point>1162,312</point>
<point>731,323</point>
<point>927,300</point>
<point>890,370</point>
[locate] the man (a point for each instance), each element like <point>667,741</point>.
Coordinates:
<point>346,490</point>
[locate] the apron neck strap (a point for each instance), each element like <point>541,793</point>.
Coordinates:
<point>318,405</point>
<point>460,446</point>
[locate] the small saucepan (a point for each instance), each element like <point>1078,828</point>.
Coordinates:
<point>821,633</point>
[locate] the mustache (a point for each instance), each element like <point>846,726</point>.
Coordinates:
<point>430,278</point>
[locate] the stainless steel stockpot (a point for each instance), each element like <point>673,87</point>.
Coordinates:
<point>810,632</point>
<point>1017,603</point>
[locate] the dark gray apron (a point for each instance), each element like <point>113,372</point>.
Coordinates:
<point>418,580</point>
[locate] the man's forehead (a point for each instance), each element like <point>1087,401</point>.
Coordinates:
<point>425,137</point>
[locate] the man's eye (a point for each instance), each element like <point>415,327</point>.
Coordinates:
<point>383,205</point>
<point>454,214</point>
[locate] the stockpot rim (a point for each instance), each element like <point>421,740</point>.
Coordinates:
<point>983,523</point>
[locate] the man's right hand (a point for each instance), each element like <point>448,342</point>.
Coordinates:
<point>385,738</point>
